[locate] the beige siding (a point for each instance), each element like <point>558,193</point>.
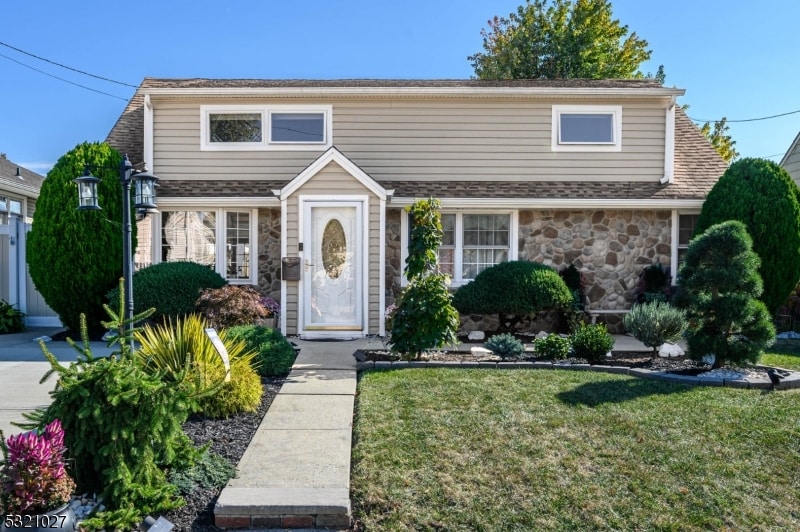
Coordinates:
<point>478,139</point>
<point>792,163</point>
<point>5,256</point>
<point>334,178</point>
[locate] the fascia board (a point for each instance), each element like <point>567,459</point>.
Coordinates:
<point>565,203</point>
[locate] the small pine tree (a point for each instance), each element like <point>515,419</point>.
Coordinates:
<point>75,257</point>
<point>424,317</point>
<point>719,287</point>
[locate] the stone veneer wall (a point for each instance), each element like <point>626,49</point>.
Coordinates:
<point>610,248</point>
<point>269,252</point>
<point>394,261</point>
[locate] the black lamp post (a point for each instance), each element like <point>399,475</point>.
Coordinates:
<point>145,185</point>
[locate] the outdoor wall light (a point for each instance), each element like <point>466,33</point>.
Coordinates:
<point>145,185</point>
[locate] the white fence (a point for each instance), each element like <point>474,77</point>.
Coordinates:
<point>16,286</point>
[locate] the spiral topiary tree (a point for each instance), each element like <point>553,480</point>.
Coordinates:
<point>75,257</point>
<point>719,288</point>
<point>762,196</point>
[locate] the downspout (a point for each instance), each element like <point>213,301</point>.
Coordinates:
<point>669,143</point>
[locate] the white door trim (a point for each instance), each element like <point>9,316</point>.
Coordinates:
<point>361,203</point>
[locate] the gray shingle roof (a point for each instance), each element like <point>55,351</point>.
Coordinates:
<point>697,164</point>
<point>8,171</point>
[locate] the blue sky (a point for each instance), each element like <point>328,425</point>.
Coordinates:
<point>736,59</point>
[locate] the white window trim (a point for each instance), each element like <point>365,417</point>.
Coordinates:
<point>513,231</point>
<point>616,115</point>
<point>220,233</point>
<point>266,112</point>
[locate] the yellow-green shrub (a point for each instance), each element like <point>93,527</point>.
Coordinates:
<point>241,394</point>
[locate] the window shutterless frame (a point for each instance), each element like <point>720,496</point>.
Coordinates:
<point>586,128</point>
<point>265,127</point>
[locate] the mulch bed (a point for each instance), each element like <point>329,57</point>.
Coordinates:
<point>229,438</point>
<point>631,359</point>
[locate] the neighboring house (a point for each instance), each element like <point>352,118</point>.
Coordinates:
<point>607,175</point>
<point>791,161</point>
<point>19,190</point>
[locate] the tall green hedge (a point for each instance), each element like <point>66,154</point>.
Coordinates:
<point>75,257</point>
<point>760,194</point>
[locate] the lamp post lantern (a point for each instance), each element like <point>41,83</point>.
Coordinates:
<point>145,202</point>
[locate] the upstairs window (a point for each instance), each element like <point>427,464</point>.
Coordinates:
<point>265,127</point>
<point>587,128</point>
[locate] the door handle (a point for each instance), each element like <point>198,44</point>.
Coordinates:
<point>308,265</point>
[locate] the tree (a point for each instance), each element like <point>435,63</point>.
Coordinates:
<point>719,287</point>
<point>719,138</point>
<point>424,317</point>
<point>760,194</point>
<point>563,39</point>
<point>75,257</point>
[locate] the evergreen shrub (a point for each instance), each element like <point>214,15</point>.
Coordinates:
<point>74,257</point>
<point>521,288</point>
<point>172,288</point>
<point>591,342</point>
<point>761,195</point>
<point>553,346</point>
<point>11,319</point>
<point>274,353</point>
<point>720,286</point>
<point>505,346</point>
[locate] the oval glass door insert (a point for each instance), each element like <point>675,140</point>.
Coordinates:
<point>334,249</point>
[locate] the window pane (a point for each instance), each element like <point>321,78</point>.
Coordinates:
<point>237,245</point>
<point>298,127</point>
<point>586,128</point>
<point>234,127</point>
<point>686,226</point>
<point>14,206</point>
<point>449,229</point>
<point>446,260</point>
<point>486,239</point>
<point>189,235</point>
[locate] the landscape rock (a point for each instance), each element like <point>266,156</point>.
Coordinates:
<point>477,335</point>
<point>668,350</point>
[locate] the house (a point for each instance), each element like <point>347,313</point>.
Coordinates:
<point>299,187</point>
<point>791,160</point>
<point>19,191</point>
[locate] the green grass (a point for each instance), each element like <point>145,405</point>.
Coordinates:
<point>784,354</point>
<point>454,449</point>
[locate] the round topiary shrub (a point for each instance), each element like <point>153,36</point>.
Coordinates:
<point>274,353</point>
<point>172,288</point>
<point>241,394</point>
<point>761,195</point>
<point>591,342</point>
<point>522,288</point>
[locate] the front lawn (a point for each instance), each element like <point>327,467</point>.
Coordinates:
<point>455,449</point>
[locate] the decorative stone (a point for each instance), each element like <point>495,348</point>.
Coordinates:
<point>709,359</point>
<point>668,350</point>
<point>476,336</point>
<point>481,351</point>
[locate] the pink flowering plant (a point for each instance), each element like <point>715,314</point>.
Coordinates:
<point>33,477</point>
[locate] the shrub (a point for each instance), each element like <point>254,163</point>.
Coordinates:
<point>505,346</point>
<point>172,288</point>
<point>654,284</point>
<point>274,353</point>
<point>11,319</point>
<point>591,342</point>
<point>75,257</point>
<point>521,288</point>
<point>209,471</point>
<point>553,346</point>
<point>572,315</point>
<point>761,195</point>
<point>231,305</point>
<point>184,355</point>
<point>425,317</point>
<point>241,394</point>
<point>655,323</point>
<point>719,289</point>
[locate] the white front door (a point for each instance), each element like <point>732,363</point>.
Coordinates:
<point>332,268</point>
